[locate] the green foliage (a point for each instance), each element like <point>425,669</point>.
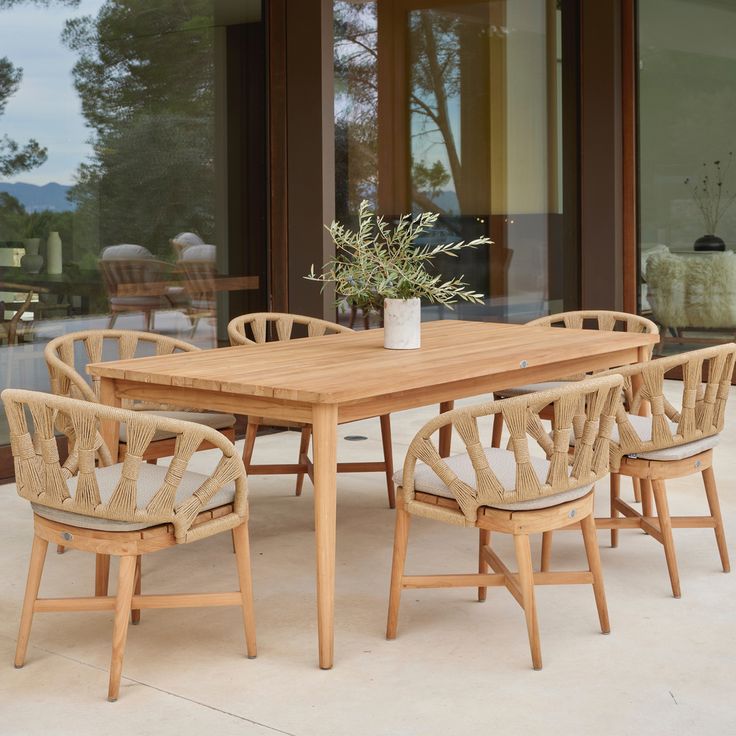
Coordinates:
<point>15,157</point>
<point>383,261</point>
<point>431,179</point>
<point>145,77</point>
<point>17,224</point>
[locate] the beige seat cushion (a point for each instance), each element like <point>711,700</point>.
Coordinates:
<point>529,388</point>
<point>150,479</point>
<point>208,418</point>
<point>503,465</point>
<point>643,427</point>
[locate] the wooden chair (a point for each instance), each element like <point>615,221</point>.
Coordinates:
<point>9,327</point>
<point>598,319</point>
<point>671,443</point>
<point>135,267</point>
<point>252,329</point>
<point>124,510</point>
<point>197,263</point>
<point>62,356</point>
<point>512,492</point>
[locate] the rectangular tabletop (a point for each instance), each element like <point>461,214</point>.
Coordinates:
<point>324,380</point>
<point>354,370</point>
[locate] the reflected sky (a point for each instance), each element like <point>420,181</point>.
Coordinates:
<point>46,106</point>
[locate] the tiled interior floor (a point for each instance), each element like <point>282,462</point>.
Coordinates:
<point>457,666</point>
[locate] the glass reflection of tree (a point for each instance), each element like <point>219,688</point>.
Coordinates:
<point>145,77</point>
<point>434,39</point>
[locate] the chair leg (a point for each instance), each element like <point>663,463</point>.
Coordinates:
<point>637,489</point>
<point>590,539</point>
<point>711,492</point>
<point>497,430</point>
<point>668,542</point>
<point>242,559</point>
<point>615,493</point>
<point>388,458</point>
<point>135,614</point>
<point>113,319</point>
<point>126,582</point>
<point>250,440</point>
<point>646,497</point>
<point>526,583</point>
<point>401,541</point>
<point>102,574</point>
<point>484,540</point>
<point>60,549</point>
<point>303,449</point>
<point>546,551</point>
<point>35,570</point>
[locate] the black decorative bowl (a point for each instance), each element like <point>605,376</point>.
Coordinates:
<point>709,242</point>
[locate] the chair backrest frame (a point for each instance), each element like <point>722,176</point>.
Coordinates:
<point>702,409</point>
<point>591,404</point>
<point>42,479</point>
<point>259,323</point>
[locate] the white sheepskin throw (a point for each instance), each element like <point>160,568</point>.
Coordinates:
<point>693,291</point>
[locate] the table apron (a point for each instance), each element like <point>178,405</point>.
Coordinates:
<point>209,399</point>
<point>450,391</point>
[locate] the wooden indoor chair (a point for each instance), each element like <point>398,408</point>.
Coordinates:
<point>252,329</point>
<point>62,358</point>
<point>509,491</point>
<point>671,443</point>
<point>124,510</point>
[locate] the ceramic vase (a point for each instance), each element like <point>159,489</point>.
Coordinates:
<point>402,321</point>
<point>53,253</point>
<point>31,262</point>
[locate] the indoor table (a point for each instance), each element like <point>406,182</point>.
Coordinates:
<point>346,377</point>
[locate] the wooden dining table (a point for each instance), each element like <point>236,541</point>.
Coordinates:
<point>337,378</point>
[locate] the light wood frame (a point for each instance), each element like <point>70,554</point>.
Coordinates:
<point>165,522</point>
<point>260,326</point>
<point>591,404</point>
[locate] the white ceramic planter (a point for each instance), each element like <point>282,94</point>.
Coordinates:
<point>402,322</point>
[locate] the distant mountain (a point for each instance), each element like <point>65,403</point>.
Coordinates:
<point>51,196</point>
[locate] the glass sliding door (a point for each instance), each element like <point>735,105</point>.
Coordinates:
<point>687,171</point>
<point>471,106</point>
<point>132,172</point>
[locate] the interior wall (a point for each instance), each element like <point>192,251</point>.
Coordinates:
<point>687,115</point>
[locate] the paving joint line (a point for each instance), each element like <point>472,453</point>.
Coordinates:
<point>166,692</point>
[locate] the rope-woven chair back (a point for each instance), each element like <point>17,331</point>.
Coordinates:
<point>67,355</point>
<point>126,271</point>
<point>706,383</point>
<point>200,279</point>
<point>259,327</point>
<point>42,479</point>
<point>591,404</point>
<point>599,319</point>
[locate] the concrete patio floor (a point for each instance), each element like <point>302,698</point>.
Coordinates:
<point>457,666</point>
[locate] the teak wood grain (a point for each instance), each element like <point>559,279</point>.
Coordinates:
<point>324,380</point>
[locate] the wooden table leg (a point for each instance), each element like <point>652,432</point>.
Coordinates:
<point>110,430</point>
<point>324,444</point>
<point>446,431</point>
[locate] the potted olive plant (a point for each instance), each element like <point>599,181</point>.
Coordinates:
<point>381,264</point>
